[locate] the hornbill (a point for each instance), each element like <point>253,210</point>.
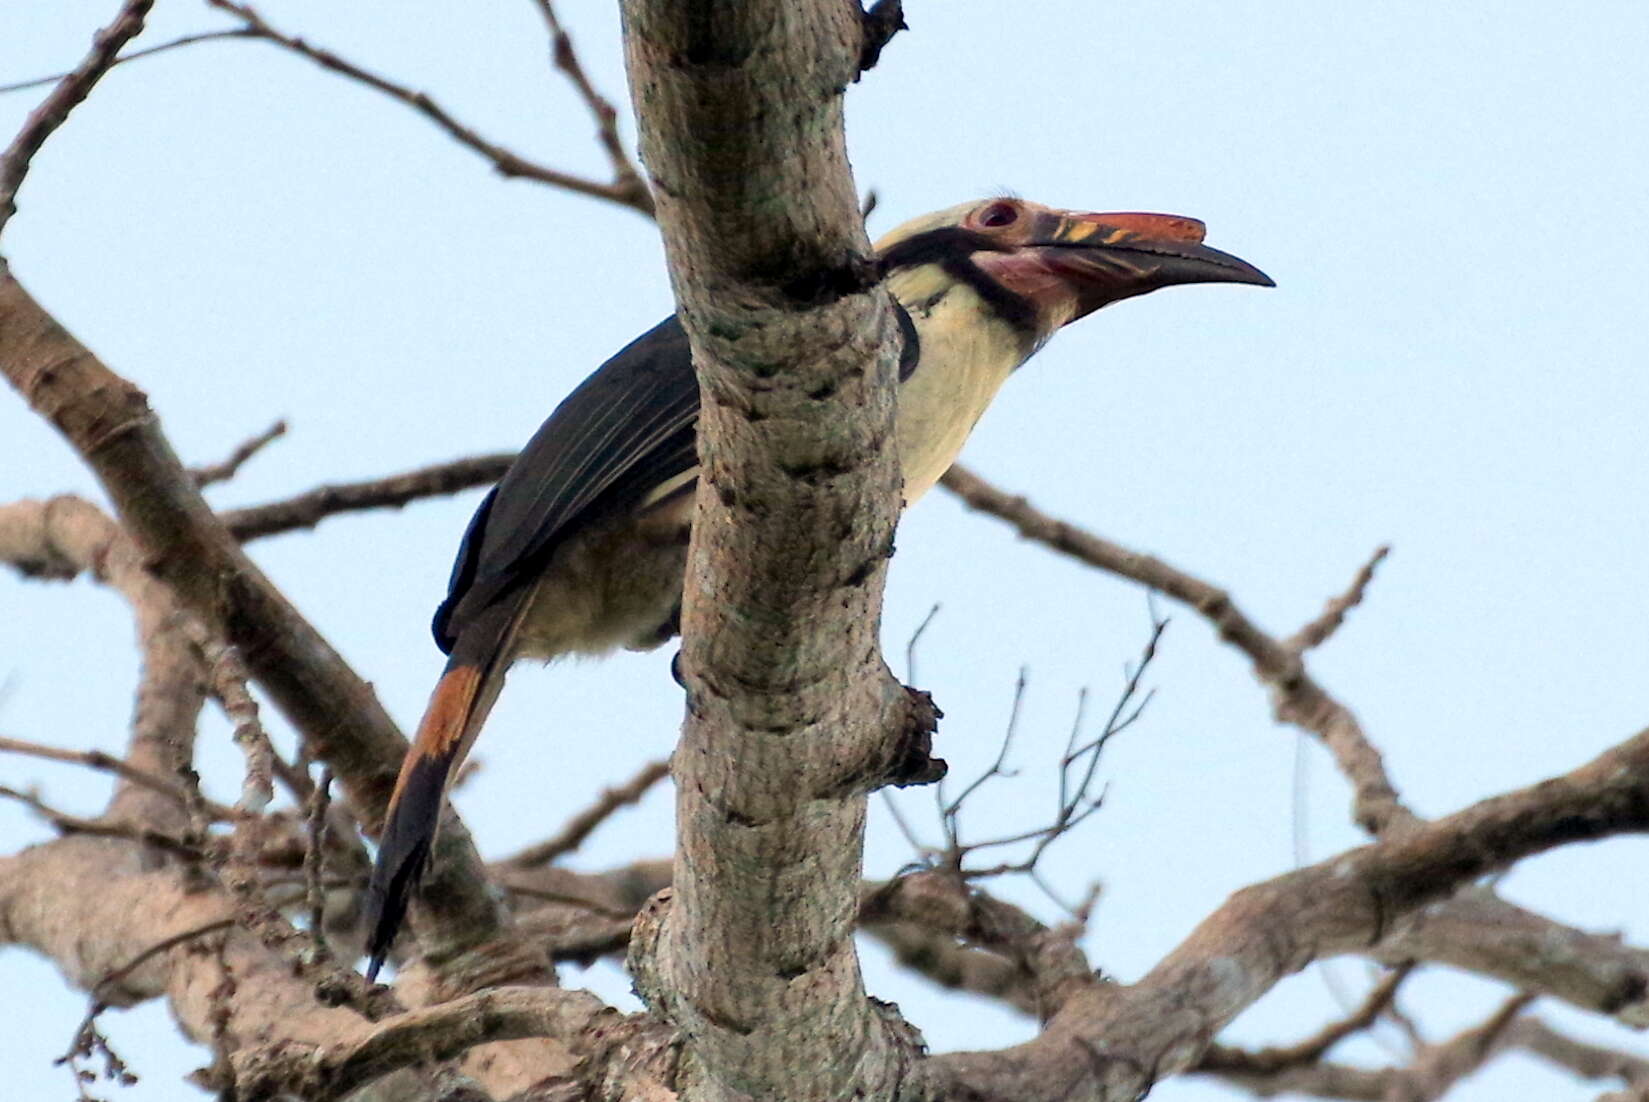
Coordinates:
<point>581,547</point>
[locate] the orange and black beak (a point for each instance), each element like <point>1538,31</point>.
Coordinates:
<point>1072,263</point>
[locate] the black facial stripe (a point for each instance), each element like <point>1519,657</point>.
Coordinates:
<point>1011,306</point>
<point>910,348</point>
<point>952,247</point>
<point>938,246</point>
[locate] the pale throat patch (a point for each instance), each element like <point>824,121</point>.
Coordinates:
<point>968,352</point>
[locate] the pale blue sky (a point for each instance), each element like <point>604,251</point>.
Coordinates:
<point>1450,197</point>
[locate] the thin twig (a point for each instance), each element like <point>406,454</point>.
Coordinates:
<point>902,823</point>
<point>1220,1058</point>
<point>114,975</point>
<point>580,826</point>
<point>564,898</point>
<point>625,176</point>
<point>949,810</point>
<point>916,638</point>
<point>505,161</point>
<point>1315,633</point>
<point>74,824</point>
<point>74,87</point>
<point>1441,1066</point>
<point>314,862</point>
<point>392,491</point>
<point>97,759</point>
<point>1297,697</point>
<point>228,677</point>
<point>228,468</point>
<point>88,1041</point>
<point>148,51</point>
<point>1078,769</point>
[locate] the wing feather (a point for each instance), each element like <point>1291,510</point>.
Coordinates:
<point>625,429</point>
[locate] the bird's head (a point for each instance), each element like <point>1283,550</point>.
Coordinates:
<point>1038,268</point>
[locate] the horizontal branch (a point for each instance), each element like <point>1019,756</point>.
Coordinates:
<point>308,509</point>
<point>108,763</point>
<point>1477,931</point>
<point>320,1073</point>
<point>1114,1041</point>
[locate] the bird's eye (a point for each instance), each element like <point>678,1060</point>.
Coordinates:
<point>998,214</point>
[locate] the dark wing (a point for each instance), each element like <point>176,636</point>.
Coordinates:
<point>627,428</point>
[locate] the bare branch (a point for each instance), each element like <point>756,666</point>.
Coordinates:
<point>320,1073</point>
<point>97,759</point>
<point>228,676</point>
<point>314,861</point>
<point>74,87</point>
<point>1051,965</point>
<point>109,422</point>
<point>1440,1067</point>
<point>915,640</point>
<point>1269,1061</point>
<point>1315,633</point>
<point>949,810</point>
<point>937,957</point>
<point>222,472</point>
<point>625,175</point>
<point>1296,696</point>
<point>115,975</point>
<point>1484,935</point>
<point>392,491</point>
<point>1323,1079</point>
<point>1479,932</point>
<point>102,828</point>
<point>148,51</point>
<point>626,193</point>
<point>1075,800</point>
<point>1113,1041</point>
<point>740,118</point>
<point>582,825</point>
<point>71,536</point>
<point>1588,1060</point>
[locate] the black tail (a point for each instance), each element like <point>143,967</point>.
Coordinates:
<point>456,708</point>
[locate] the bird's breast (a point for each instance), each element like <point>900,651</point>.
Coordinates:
<point>967,353</point>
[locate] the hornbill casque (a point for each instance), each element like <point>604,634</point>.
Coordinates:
<point>581,547</point>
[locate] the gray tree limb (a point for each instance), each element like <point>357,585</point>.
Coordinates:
<point>792,714</point>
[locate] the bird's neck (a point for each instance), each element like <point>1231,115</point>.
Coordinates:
<point>967,352</point>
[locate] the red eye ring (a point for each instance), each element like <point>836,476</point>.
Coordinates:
<point>998,215</point>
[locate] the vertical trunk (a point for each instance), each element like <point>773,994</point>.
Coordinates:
<point>791,710</point>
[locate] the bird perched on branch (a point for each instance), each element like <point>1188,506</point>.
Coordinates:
<point>581,548</point>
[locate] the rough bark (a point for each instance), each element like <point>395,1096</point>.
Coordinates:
<point>791,715</point>
<point>109,422</point>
